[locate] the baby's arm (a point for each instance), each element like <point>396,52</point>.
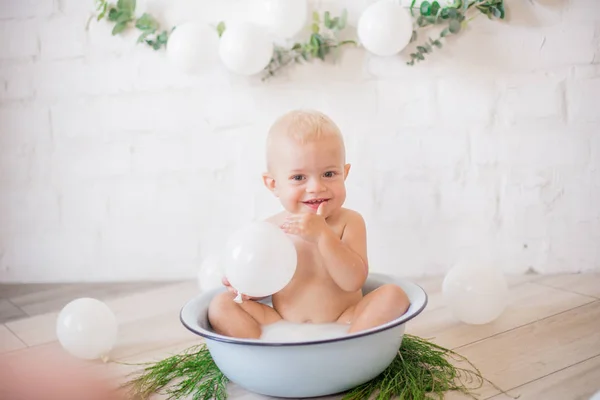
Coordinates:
<point>346,258</point>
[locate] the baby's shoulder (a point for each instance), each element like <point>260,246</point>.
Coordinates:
<point>351,218</point>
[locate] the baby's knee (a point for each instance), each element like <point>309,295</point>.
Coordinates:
<point>220,306</point>
<point>393,296</point>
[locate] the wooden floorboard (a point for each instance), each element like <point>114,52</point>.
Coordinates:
<point>530,352</point>
<point>529,302</point>
<point>577,382</point>
<point>587,284</point>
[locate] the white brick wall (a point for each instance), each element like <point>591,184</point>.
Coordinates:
<point>114,166</point>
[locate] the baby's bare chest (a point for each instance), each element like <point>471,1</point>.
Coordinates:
<point>311,264</point>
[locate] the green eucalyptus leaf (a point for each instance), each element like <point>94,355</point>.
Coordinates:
<point>126,5</point>
<point>327,20</point>
<point>316,17</point>
<point>315,28</point>
<point>454,26</point>
<point>421,21</point>
<point>335,23</point>
<point>343,19</point>
<point>102,10</point>
<point>113,14</point>
<point>143,36</point>
<point>496,12</point>
<point>501,8</point>
<point>124,16</point>
<point>435,7</point>
<point>119,27</point>
<point>163,37</point>
<point>425,8</point>
<point>146,23</point>
<point>221,28</point>
<point>444,13</point>
<point>437,43</point>
<point>445,32</point>
<point>413,36</point>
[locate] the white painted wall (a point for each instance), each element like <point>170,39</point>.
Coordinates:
<point>113,166</point>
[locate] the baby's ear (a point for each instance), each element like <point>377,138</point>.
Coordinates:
<point>346,170</point>
<point>269,182</point>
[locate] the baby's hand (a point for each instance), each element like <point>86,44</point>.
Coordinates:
<point>225,282</point>
<point>310,226</point>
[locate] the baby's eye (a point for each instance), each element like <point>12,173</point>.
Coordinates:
<point>297,177</point>
<point>329,174</point>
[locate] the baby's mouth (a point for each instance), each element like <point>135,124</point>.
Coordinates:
<point>315,203</point>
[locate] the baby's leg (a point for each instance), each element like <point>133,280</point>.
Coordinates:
<point>382,305</point>
<point>239,320</point>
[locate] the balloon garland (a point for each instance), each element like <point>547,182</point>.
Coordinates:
<point>385,28</point>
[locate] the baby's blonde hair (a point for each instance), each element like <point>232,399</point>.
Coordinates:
<point>302,126</point>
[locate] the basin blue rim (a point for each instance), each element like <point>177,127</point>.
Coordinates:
<point>254,342</point>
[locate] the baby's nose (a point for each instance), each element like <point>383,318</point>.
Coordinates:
<point>315,185</point>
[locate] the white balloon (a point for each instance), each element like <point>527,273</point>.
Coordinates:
<point>385,28</point>
<point>87,328</point>
<point>260,259</point>
<point>475,293</point>
<point>211,273</point>
<point>245,48</point>
<point>284,18</point>
<point>192,46</point>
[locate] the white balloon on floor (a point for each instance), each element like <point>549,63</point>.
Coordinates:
<point>475,293</point>
<point>211,273</point>
<point>87,328</point>
<point>385,28</point>
<point>260,260</point>
<point>245,48</point>
<point>283,18</point>
<point>192,46</point>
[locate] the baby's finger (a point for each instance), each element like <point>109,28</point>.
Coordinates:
<point>225,281</point>
<point>321,208</point>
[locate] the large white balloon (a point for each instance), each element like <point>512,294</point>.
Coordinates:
<point>245,48</point>
<point>475,293</point>
<point>87,328</point>
<point>211,273</point>
<point>260,259</point>
<point>385,28</point>
<point>284,18</point>
<point>192,46</point>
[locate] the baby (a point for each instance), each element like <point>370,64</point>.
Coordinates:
<point>306,171</point>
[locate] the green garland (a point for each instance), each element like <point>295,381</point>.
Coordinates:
<point>419,370</point>
<point>324,40</point>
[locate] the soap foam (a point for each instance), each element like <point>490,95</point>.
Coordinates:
<point>285,331</point>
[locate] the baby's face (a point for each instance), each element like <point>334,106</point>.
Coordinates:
<point>307,174</point>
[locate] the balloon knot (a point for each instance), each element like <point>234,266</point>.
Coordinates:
<point>238,299</point>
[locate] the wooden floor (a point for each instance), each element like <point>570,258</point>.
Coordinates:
<point>545,346</point>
